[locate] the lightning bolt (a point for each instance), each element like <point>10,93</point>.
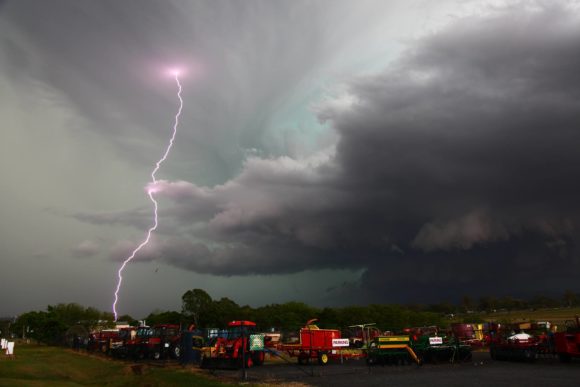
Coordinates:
<point>150,192</point>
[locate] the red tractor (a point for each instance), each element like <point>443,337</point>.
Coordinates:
<point>124,344</point>
<point>162,341</point>
<point>101,340</point>
<point>233,350</point>
<point>568,343</point>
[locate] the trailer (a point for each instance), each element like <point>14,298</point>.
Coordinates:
<point>320,345</point>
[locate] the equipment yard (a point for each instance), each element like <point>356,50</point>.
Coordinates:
<point>53,366</point>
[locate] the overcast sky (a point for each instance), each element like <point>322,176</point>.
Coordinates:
<point>331,152</point>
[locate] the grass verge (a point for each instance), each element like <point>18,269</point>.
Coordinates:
<point>38,365</point>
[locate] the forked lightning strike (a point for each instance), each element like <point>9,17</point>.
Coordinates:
<point>150,192</point>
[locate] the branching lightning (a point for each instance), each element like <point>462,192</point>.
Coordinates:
<point>150,193</point>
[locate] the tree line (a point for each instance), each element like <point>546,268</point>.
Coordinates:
<point>198,307</point>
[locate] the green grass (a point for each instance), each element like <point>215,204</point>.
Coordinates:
<point>36,365</point>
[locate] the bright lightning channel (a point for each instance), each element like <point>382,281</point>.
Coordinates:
<point>150,192</point>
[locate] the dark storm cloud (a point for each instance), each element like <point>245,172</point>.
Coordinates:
<point>455,173</point>
<point>455,166</point>
<point>466,154</point>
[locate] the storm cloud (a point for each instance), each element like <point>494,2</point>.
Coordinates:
<point>455,169</point>
<point>328,152</point>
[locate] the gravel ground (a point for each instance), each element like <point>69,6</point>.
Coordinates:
<point>481,371</point>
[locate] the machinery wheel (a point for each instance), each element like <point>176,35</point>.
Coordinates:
<point>175,351</point>
<point>258,358</point>
<point>303,359</point>
<point>322,358</point>
<point>371,360</point>
<point>156,354</point>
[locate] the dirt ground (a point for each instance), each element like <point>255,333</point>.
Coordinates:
<point>481,371</point>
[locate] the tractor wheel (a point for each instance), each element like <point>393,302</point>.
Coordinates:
<point>175,351</point>
<point>322,358</point>
<point>371,360</point>
<point>155,354</point>
<point>303,359</point>
<point>258,358</point>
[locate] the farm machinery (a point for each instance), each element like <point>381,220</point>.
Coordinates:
<point>234,350</point>
<point>512,342</point>
<point>125,341</point>
<point>438,348</point>
<point>361,335</point>
<point>419,345</point>
<point>101,340</point>
<point>392,350</point>
<point>315,344</point>
<point>568,342</point>
<point>160,342</point>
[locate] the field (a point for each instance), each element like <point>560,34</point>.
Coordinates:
<point>36,365</point>
<point>555,315</point>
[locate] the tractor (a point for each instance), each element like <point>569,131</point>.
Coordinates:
<point>233,351</point>
<point>162,341</point>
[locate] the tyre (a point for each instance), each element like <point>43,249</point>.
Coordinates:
<point>322,358</point>
<point>155,354</point>
<point>258,358</point>
<point>175,351</point>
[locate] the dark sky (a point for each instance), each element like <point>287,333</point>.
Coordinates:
<point>329,152</point>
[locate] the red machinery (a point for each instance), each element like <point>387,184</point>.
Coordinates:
<point>124,344</point>
<point>133,344</point>
<point>315,343</point>
<point>101,340</point>
<point>568,343</point>
<point>510,342</point>
<point>161,341</point>
<point>465,333</point>
<point>233,351</point>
